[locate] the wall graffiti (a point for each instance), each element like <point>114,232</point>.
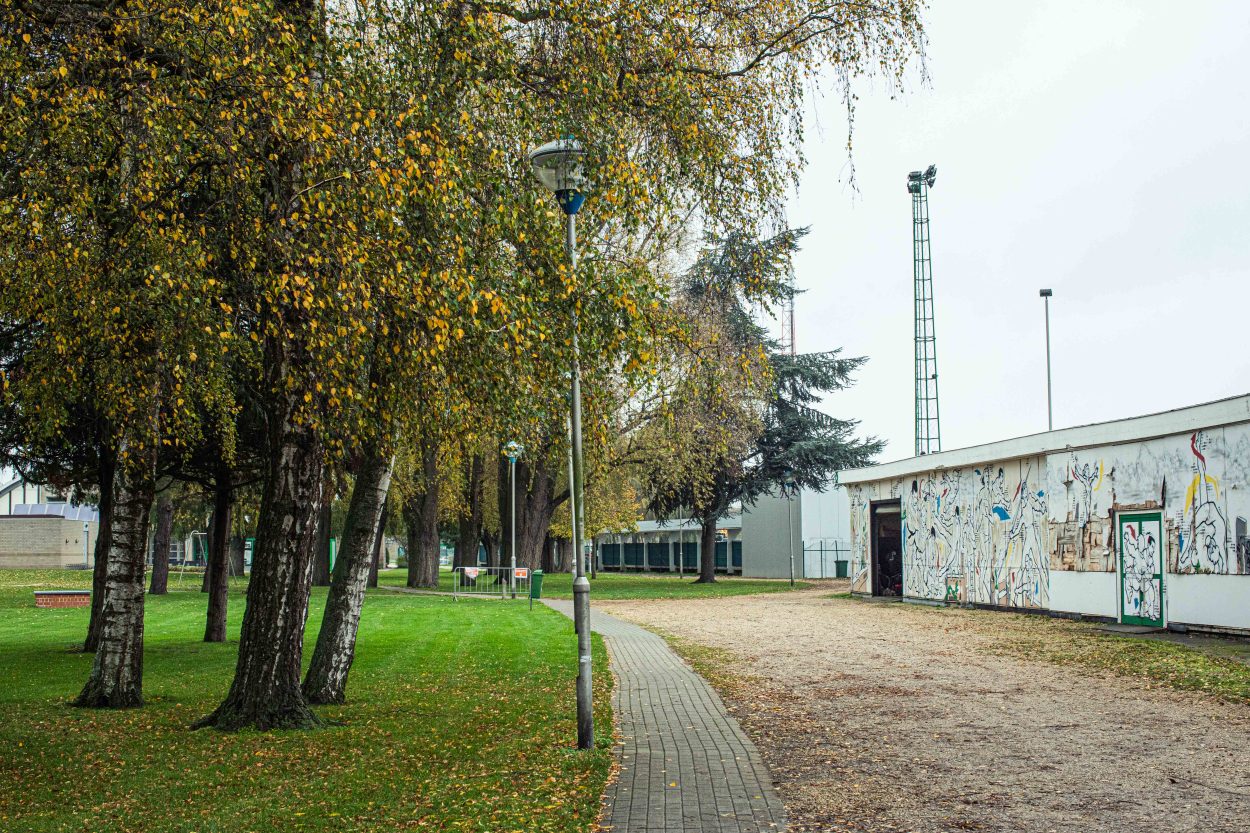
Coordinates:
<point>1203,529</point>
<point>999,533</point>
<point>977,536</point>
<point>1186,477</point>
<point>859,498</point>
<point>1080,539</point>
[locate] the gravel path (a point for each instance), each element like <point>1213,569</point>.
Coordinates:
<point>886,717</point>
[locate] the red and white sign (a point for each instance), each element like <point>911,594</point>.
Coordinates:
<point>470,572</point>
<point>522,572</point>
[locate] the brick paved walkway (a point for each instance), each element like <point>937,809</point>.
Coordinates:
<point>685,764</point>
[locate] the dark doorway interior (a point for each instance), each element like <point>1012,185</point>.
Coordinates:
<point>887,548</point>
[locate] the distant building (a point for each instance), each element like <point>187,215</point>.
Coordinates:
<point>753,542</point>
<point>40,529</point>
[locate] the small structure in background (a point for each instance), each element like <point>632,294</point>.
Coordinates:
<point>1141,521</point>
<point>62,598</point>
<point>41,530</point>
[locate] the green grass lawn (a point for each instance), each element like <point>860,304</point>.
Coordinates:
<point>459,717</point>
<point>626,585</point>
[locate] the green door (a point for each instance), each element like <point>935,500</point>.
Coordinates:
<point>1141,568</point>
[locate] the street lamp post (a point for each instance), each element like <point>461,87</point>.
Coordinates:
<point>787,488</point>
<point>513,450</point>
<point>568,421</point>
<point>1050,413</point>
<point>558,166</point>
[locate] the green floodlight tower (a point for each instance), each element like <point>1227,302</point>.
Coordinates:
<point>928,426</point>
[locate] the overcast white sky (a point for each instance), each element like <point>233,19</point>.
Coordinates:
<point>1101,149</point>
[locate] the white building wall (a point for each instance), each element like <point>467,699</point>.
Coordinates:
<point>1093,594</point>
<point>1214,601</point>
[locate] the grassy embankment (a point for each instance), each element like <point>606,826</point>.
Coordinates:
<point>459,717</point>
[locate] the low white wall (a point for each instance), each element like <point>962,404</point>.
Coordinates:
<point>1083,592</point>
<point>1203,599</point>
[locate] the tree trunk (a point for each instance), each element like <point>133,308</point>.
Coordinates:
<point>236,555</point>
<point>206,582</point>
<point>103,542</point>
<point>471,531</point>
<point>380,559</point>
<point>265,693</point>
<point>549,554</point>
<point>325,520</point>
<point>218,569</point>
<point>707,552</point>
<point>421,516</point>
<point>160,546</point>
<point>116,680</point>
<point>326,681</point>
<point>564,563</point>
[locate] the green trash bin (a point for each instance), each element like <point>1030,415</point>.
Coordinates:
<point>840,567</point>
<point>536,586</point>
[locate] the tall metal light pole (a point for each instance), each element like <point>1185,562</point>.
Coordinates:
<point>787,489</point>
<point>568,422</point>
<point>513,450</point>
<point>1050,412</point>
<point>558,166</point>
<point>928,425</point>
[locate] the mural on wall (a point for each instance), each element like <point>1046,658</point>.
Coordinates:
<point>1081,538</point>
<point>991,534</point>
<point>1185,476</point>
<point>1203,529</point>
<point>977,536</point>
<point>859,495</point>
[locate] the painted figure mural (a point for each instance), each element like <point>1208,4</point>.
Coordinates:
<point>1203,529</point>
<point>975,537</point>
<point>859,538</point>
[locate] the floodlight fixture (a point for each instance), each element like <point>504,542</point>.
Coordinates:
<point>930,175</point>
<point>558,166</point>
<point>1045,293</point>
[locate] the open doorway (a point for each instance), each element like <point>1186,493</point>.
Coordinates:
<point>887,548</point>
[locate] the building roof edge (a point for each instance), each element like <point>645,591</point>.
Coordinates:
<point>1230,411</point>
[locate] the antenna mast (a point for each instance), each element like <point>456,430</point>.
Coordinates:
<point>928,426</point>
<point>787,317</point>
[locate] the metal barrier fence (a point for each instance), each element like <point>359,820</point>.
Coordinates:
<point>490,581</point>
<point>825,559</point>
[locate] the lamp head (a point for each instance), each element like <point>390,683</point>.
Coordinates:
<point>788,479</point>
<point>558,166</point>
<point>930,175</point>
<point>1045,293</point>
<point>513,450</point>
